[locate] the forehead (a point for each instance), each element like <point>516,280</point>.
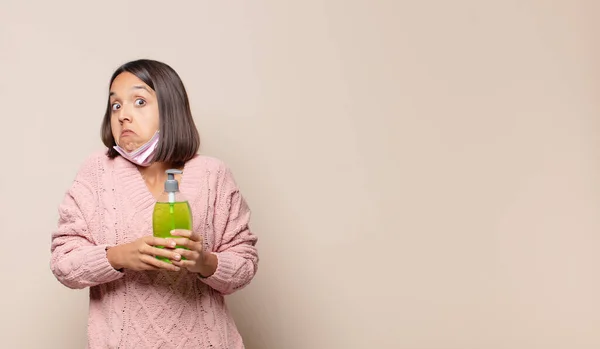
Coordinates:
<point>126,82</point>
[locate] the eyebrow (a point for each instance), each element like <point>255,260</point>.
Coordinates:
<point>136,87</point>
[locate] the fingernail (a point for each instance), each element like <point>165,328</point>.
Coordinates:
<point>172,244</point>
<point>178,257</point>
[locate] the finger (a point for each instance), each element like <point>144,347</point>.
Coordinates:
<point>167,253</point>
<point>187,234</point>
<point>184,242</point>
<point>154,241</point>
<point>184,264</point>
<point>158,263</point>
<point>188,254</point>
<point>187,244</point>
<point>154,251</point>
<point>160,252</point>
<point>181,232</point>
<point>146,266</point>
<point>196,237</point>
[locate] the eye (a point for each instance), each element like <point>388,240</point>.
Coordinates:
<point>115,106</point>
<point>140,102</point>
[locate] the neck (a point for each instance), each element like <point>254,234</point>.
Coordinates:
<point>155,172</point>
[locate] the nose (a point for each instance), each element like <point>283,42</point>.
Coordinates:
<point>125,113</point>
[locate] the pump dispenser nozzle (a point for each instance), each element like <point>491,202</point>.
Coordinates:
<point>171,184</point>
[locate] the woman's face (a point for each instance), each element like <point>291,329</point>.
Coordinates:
<point>134,105</point>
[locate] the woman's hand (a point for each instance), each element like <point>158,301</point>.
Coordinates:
<point>198,261</point>
<point>141,254</point>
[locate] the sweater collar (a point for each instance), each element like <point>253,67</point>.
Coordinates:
<point>130,177</point>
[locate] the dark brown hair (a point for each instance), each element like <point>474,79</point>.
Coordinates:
<point>179,139</point>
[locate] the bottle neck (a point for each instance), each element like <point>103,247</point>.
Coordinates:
<point>171,197</point>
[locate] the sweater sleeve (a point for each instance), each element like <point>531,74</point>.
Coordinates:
<point>76,260</point>
<point>235,243</point>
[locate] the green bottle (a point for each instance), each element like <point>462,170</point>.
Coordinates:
<point>171,211</point>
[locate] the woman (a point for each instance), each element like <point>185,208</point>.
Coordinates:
<point>104,237</point>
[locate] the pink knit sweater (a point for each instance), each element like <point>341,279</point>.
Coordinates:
<point>109,204</point>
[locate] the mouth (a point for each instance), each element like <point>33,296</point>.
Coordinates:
<point>127,133</point>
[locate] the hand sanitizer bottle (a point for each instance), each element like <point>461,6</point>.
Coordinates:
<point>171,211</point>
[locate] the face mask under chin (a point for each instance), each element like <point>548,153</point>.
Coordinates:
<point>143,155</point>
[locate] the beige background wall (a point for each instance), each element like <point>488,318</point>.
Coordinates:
<point>423,174</point>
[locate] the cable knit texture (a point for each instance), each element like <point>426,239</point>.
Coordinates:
<point>109,204</point>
